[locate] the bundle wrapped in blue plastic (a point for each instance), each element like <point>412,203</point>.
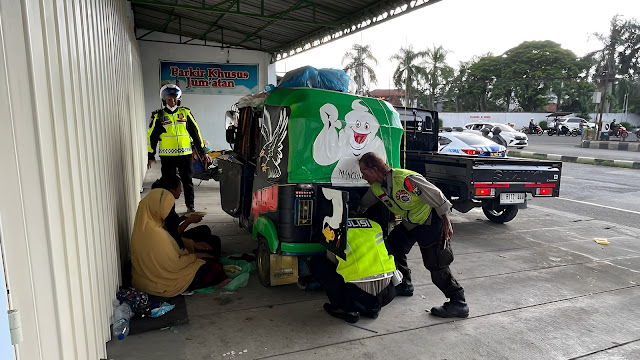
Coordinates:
<point>308,76</point>
<point>333,79</point>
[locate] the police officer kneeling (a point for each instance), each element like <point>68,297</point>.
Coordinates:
<point>362,284</point>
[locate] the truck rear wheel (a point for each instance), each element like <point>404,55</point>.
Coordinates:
<point>499,214</point>
<point>263,262</point>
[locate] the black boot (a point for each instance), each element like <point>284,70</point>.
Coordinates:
<point>404,289</point>
<point>455,307</point>
<point>350,317</point>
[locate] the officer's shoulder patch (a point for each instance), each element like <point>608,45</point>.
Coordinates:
<point>407,184</point>
<point>411,187</point>
<point>186,108</point>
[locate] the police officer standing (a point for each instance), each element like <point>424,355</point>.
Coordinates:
<point>174,126</point>
<point>424,211</point>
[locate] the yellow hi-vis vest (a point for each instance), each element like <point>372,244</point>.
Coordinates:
<point>175,140</point>
<point>403,200</point>
<point>367,257</point>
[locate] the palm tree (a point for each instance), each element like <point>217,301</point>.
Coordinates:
<point>408,70</point>
<point>438,72</point>
<point>357,66</point>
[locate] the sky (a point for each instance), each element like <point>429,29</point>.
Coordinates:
<point>474,27</point>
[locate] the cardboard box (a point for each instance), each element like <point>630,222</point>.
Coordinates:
<point>284,269</point>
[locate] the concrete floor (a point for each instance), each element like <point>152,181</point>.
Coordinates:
<point>538,287</point>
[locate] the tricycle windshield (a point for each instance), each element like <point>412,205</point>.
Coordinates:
<point>318,136</point>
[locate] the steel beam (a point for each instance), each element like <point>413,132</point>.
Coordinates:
<point>217,9</point>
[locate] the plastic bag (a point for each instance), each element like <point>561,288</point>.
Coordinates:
<point>163,309</point>
<point>306,76</point>
<point>333,79</point>
<point>240,279</point>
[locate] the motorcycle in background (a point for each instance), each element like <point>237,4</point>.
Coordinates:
<point>621,132</point>
<point>564,130</point>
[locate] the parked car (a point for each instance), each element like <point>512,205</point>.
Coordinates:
<point>574,122</point>
<point>468,144</point>
<point>513,137</point>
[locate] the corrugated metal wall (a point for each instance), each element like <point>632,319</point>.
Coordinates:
<point>72,156</point>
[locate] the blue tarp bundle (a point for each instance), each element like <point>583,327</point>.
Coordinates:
<point>308,76</point>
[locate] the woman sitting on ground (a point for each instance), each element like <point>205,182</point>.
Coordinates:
<point>160,267</point>
<point>203,239</point>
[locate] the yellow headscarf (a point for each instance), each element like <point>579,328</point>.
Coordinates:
<point>160,267</point>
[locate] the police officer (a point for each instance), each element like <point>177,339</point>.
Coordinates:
<point>532,126</point>
<point>497,138</point>
<point>361,284</point>
<point>409,195</point>
<point>174,126</point>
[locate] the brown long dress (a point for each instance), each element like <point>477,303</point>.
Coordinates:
<point>160,267</point>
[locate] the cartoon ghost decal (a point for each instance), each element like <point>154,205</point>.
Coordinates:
<point>346,145</point>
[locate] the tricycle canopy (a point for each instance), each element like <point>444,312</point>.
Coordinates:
<point>318,136</point>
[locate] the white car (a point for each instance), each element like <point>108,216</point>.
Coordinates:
<point>574,122</point>
<point>469,144</point>
<point>513,137</point>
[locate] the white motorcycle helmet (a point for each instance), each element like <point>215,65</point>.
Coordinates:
<point>168,90</point>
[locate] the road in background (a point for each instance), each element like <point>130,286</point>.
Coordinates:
<point>599,192</point>
<point>570,145</point>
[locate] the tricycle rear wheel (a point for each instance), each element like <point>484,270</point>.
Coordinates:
<point>263,262</point>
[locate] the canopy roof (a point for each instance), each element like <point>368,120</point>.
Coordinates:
<point>280,27</point>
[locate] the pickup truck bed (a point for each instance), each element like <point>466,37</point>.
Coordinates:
<point>500,186</point>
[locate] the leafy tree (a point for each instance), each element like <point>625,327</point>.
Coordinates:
<point>629,50</point>
<point>533,67</point>
<point>616,66</point>
<point>481,80</point>
<point>437,74</point>
<point>629,88</point>
<point>468,89</point>
<point>456,88</point>
<point>358,68</point>
<point>578,95</point>
<point>408,71</point>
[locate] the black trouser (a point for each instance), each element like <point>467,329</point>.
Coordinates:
<point>202,233</point>
<point>435,258</point>
<point>183,164</point>
<point>348,296</point>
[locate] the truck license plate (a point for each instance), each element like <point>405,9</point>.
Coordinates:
<point>512,198</point>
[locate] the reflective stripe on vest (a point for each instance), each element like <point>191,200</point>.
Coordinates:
<point>403,200</point>
<point>175,141</point>
<point>367,256</point>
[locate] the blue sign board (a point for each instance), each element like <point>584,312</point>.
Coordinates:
<point>210,78</point>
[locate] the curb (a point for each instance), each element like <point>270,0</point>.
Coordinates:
<point>576,159</point>
<point>611,145</point>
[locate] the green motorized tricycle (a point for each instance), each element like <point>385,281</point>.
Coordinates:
<point>293,172</point>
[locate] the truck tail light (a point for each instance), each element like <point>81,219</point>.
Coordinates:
<point>485,192</point>
<point>544,191</point>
